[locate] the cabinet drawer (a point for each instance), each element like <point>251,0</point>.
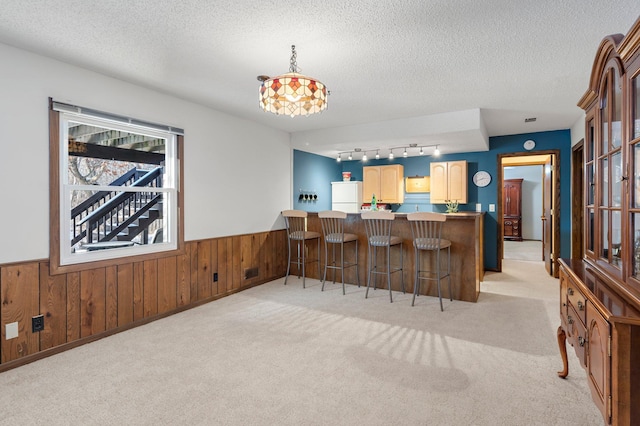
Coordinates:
<point>564,281</point>
<point>577,335</point>
<point>578,301</point>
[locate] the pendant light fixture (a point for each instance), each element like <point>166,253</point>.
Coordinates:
<point>292,93</point>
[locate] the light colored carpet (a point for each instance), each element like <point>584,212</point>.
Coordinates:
<point>284,355</point>
<point>530,250</point>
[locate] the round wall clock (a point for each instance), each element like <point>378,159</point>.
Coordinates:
<point>482,178</point>
<point>529,145</point>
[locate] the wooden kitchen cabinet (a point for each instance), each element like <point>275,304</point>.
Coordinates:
<point>387,182</point>
<point>512,209</point>
<point>449,182</point>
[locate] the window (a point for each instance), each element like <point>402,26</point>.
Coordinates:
<point>117,189</point>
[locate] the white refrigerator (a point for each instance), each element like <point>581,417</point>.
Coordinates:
<point>346,196</point>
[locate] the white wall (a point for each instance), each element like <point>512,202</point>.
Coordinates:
<point>237,174</point>
<point>577,130</point>
<point>531,198</point>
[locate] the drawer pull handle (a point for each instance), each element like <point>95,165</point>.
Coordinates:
<point>570,320</point>
<point>570,291</point>
<point>581,305</point>
<point>582,341</point>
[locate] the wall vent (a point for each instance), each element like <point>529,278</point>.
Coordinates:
<point>250,273</point>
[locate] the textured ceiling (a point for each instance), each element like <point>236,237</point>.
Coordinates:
<point>386,63</point>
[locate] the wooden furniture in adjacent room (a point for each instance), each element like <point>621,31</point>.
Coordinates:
<point>387,182</point>
<point>448,182</point>
<point>600,294</point>
<point>512,209</point>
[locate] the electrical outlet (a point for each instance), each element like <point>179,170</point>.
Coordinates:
<point>478,207</point>
<point>492,207</point>
<point>11,330</point>
<point>37,323</point>
<point>215,277</point>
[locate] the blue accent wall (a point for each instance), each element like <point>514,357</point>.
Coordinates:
<point>317,172</point>
<point>313,174</point>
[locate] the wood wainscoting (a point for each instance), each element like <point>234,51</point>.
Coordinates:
<point>80,307</point>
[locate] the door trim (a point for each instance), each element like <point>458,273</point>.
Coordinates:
<point>556,202</point>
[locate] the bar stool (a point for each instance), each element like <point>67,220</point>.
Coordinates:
<point>426,228</point>
<point>378,226</point>
<point>333,229</point>
<point>296,223</point>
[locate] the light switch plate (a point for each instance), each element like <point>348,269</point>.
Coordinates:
<point>11,330</point>
<point>478,207</point>
<point>492,207</point>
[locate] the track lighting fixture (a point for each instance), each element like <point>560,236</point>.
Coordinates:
<point>407,149</point>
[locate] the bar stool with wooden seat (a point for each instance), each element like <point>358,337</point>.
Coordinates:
<point>296,224</point>
<point>378,227</point>
<point>333,229</point>
<point>426,229</point>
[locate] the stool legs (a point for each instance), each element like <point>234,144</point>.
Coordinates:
<point>438,275</point>
<point>373,269</point>
<point>416,275</point>
<point>301,258</point>
<point>286,277</point>
<point>342,266</point>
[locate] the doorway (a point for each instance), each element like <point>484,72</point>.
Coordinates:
<point>540,224</point>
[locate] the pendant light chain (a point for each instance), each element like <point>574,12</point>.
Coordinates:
<point>294,56</point>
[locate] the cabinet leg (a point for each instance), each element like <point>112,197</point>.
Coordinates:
<point>562,345</point>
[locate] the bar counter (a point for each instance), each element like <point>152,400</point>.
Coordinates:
<point>464,230</point>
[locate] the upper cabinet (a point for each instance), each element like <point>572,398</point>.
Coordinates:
<point>449,182</point>
<point>386,182</point>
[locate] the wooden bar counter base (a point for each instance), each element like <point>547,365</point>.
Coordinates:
<point>464,230</point>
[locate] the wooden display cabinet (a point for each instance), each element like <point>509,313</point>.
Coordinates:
<point>512,209</point>
<point>600,294</point>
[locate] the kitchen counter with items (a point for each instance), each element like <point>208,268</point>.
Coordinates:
<point>464,230</point>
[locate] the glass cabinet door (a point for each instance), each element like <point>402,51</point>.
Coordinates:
<point>611,172</point>
<point>589,170</point>
<point>634,181</point>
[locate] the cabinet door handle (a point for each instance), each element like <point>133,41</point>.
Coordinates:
<point>570,320</point>
<point>580,305</point>
<point>570,291</point>
<point>582,341</point>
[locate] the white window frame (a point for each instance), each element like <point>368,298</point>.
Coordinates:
<point>170,188</point>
